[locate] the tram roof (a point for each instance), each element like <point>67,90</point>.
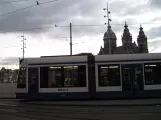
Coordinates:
<point>62,59</point>
<point>80,54</point>
<point>119,57</point>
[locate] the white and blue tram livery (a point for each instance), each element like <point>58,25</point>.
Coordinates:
<point>87,76</point>
<point>128,75</point>
<point>56,77</point>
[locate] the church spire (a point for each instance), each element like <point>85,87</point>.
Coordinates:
<point>141,32</point>
<point>126,30</point>
<point>126,38</point>
<point>142,41</point>
<point>141,28</point>
<point>126,26</point>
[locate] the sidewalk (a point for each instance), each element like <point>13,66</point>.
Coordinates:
<point>131,102</point>
<point>7,96</point>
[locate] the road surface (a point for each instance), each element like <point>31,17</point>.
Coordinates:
<point>14,110</point>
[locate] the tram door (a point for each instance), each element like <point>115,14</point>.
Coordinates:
<point>33,86</point>
<point>132,77</point>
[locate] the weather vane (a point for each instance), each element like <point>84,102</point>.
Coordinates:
<point>108,15</point>
<point>108,27</point>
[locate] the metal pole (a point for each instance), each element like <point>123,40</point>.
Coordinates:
<point>70,38</point>
<point>1,75</point>
<point>23,45</point>
<point>23,48</point>
<point>108,15</point>
<point>109,46</point>
<point>7,73</point>
<point>108,28</point>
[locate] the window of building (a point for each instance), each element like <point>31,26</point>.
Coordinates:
<point>109,75</point>
<point>21,83</point>
<point>152,73</point>
<point>63,76</point>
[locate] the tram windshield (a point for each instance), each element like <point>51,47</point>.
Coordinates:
<point>21,82</point>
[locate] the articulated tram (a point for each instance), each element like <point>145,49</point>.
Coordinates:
<point>90,77</point>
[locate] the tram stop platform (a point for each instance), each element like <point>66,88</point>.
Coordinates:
<point>130,102</point>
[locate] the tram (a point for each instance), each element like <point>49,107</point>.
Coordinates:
<point>56,77</point>
<point>128,76</point>
<point>87,76</point>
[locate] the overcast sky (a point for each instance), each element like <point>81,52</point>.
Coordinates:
<point>55,41</point>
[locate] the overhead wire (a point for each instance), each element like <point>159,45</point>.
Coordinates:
<point>33,29</point>
<point>98,25</point>
<point>56,41</point>
<point>50,27</point>
<point>26,8</point>
<point>35,44</point>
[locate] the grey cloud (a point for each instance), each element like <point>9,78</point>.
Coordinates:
<point>117,7</point>
<point>156,20</point>
<point>128,8</point>
<point>155,3</point>
<point>154,32</point>
<point>79,12</point>
<point>9,61</point>
<point>154,45</point>
<point>59,12</point>
<point>118,24</point>
<point>153,38</point>
<point>25,19</point>
<point>62,12</point>
<point>136,10</point>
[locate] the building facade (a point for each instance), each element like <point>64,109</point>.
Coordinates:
<point>128,47</point>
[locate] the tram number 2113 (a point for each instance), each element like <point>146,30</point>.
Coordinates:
<point>62,89</point>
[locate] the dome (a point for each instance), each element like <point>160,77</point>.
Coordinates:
<point>109,33</point>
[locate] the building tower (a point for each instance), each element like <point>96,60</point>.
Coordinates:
<point>109,38</point>
<point>126,38</point>
<point>142,41</point>
<point>109,41</point>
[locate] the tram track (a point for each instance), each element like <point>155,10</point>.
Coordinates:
<point>58,113</point>
<point>88,110</point>
<point>83,110</point>
<point>47,115</point>
<point>26,111</point>
<point>73,113</point>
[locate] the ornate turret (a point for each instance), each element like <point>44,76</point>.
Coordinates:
<point>109,40</point>
<point>127,37</point>
<point>142,41</point>
<point>109,37</point>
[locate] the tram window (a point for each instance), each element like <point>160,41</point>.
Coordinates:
<point>51,77</point>
<point>75,76</point>
<point>63,76</point>
<point>21,83</point>
<point>109,75</point>
<point>152,73</point>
